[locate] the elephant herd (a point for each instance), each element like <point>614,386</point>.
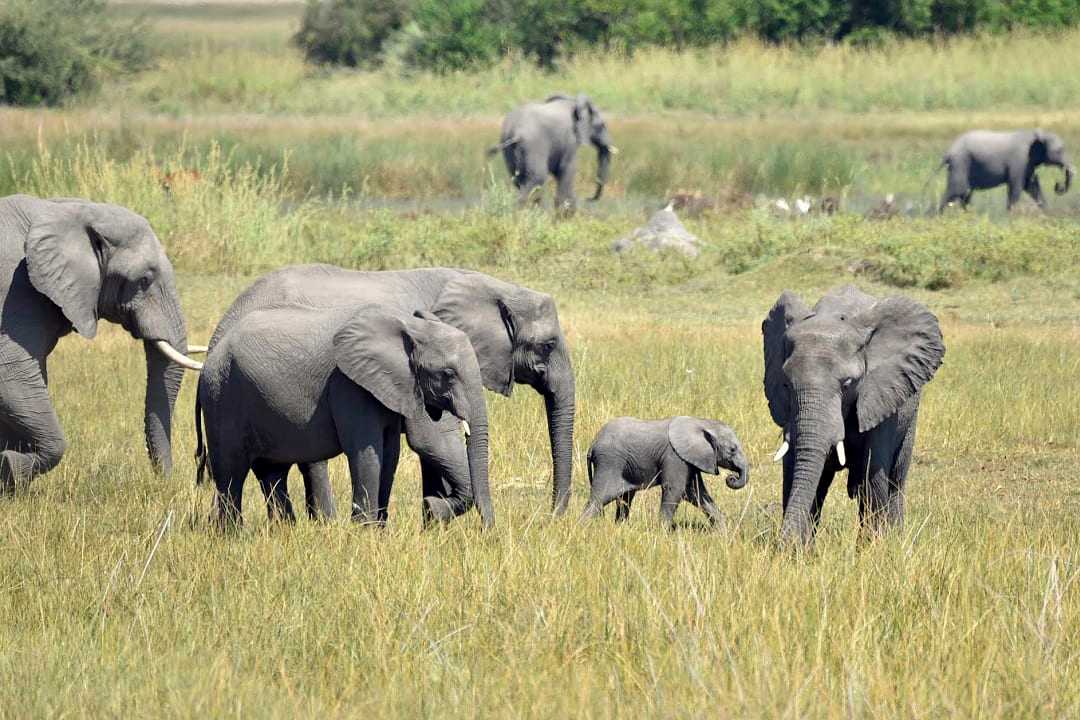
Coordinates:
<point>314,361</point>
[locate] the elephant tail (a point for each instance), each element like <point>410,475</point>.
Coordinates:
<point>591,465</point>
<point>494,149</point>
<point>200,447</point>
<point>944,162</point>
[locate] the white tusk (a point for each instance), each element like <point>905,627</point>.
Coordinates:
<point>465,427</point>
<point>177,357</point>
<point>840,453</point>
<point>781,452</point>
<point>613,150</point>
<point>197,349</point>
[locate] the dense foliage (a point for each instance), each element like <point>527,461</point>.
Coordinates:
<point>50,49</point>
<point>453,34</point>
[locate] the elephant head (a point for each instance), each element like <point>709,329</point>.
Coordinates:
<point>708,446</point>
<point>1047,148</point>
<point>590,127</point>
<point>96,261</point>
<point>844,367</point>
<point>517,337</point>
<point>419,364</point>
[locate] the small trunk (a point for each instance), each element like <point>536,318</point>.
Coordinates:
<point>603,169</point>
<point>1060,188</point>
<point>737,482</point>
<point>560,405</point>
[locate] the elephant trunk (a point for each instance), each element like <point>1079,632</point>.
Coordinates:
<point>738,480</point>
<point>560,405</point>
<point>477,452</point>
<point>818,427</point>
<point>1062,188</point>
<point>603,169</point>
<point>163,377</point>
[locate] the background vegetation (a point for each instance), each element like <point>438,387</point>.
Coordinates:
<point>117,599</point>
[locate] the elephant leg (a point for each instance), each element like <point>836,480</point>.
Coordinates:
<point>390,455</point>
<point>273,479</point>
<point>674,478</point>
<point>318,494</point>
<point>444,467</point>
<point>956,187</point>
<point>229,478</point>
<point>622,506</point>
<point>1016,183</point>
<point>565,202</point>
<point>1035,191</point>
<point>365,469</point>
<point>698,496</point>
<point>607,485</point>
<point>30,431</point>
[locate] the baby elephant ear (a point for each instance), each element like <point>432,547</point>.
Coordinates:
<point>62,252</point>
<point>904,350</point>
<point>694,443</point>
<point>373,350</point>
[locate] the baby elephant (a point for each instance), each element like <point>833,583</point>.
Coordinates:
<point>630,455</point>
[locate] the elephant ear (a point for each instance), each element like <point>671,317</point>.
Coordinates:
<point>1037,152</point>
<point>582,115</point>
<point>479,306</point>
<point>694,442</point>
<point>789,309</point>
<point>373,350</point>
<point>64,259</point>
<point>904,350</point>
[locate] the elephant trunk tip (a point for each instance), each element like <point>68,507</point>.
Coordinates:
<point>1062,188</point>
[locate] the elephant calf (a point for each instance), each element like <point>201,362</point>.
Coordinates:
<point>630,455</point>
<point>293,384</point>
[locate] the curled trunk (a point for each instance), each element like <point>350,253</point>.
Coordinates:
<point>1060,188</point>
<point>603,169</point>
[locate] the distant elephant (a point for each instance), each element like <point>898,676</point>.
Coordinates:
<point>844,381</point>
<point>65,264</point>
<point>983,159</point>
<point>542,138</point>
<point>293,384</point>
<point>514,331</point>
<point>629,454</point>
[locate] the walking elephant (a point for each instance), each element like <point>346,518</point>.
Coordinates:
<point>982,159</point>
<point>514,331</point>
<point>65,264</point>
<point>542,138</point>
<point>844,381</point>
<point>629,454</point>
<point>292,384</point>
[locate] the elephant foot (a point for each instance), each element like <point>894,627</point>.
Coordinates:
<point>14,472</point>
<point>443,509</point>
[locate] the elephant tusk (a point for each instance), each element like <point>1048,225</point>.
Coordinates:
<point>197,349</point>
<point>465,427</point>
<point>840,453</point>
<point>177,357</point>
<point>781,451</point>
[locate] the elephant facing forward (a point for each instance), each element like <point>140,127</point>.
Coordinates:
<point>64,265</point>
<point>982,159</point>
<point>542,138</point>
<point>844,381</point>
<point>629,454</point>
<point>295,384</point>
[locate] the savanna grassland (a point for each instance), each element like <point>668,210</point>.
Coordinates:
<point>117,599</point>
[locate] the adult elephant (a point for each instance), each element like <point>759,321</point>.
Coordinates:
<point>983,159</point>
<point>542,138</point>
<point>844,381</point>
<point>65,264</point>
<point>514,331</point>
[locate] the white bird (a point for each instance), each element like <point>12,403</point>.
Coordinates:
<point>803,205</point>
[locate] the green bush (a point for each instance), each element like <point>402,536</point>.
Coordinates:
<point>51,49</point>
<point>350,32</point>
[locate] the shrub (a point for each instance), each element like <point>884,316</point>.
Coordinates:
<point>51,49</point>
<point>350,32</point>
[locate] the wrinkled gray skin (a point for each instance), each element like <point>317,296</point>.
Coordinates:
<point>65,264</point>
<point>542,138</point>
<point>514,331</point>
<point>630,455</point>
<point>983,159</point>
<point>291,384</point>
<point>851,369</point>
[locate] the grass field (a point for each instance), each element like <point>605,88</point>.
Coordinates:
<point>117,599</point>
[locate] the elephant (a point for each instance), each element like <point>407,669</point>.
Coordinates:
<point>844,382</point>
<point>982,159</point>
<point>629,454</point>
<point>542,138</point>
<point>514,331</point>
<point>293,383</point>
<point>65,264</point>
